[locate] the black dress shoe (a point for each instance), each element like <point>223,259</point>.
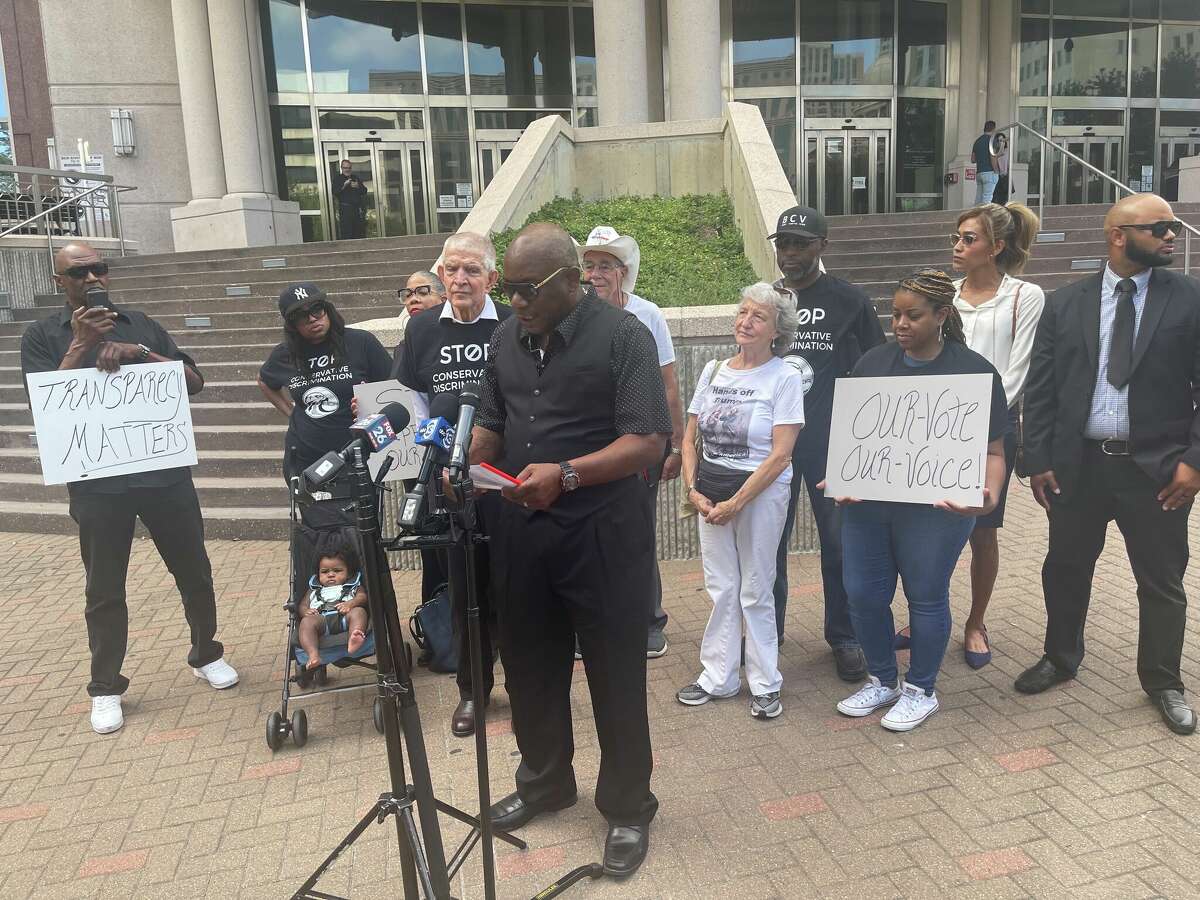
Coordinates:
<point>462,723</point>
<point>1176,711</point>
<point>512,812</point>
<point>1038,678</point>
<point>625,849</point>
<point>850,662</point>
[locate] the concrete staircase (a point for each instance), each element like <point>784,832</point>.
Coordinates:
<point>238,434</point>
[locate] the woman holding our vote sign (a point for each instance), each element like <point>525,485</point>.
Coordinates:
<point>916,542</point>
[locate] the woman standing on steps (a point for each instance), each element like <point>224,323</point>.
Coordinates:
<point>1000,314</point>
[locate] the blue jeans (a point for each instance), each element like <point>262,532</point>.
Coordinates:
<point>919,544</point>
<point>808,462</point>
<point>985,187</point>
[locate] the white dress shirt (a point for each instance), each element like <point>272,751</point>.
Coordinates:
<point>989,330</point>
<point>1109,415</point>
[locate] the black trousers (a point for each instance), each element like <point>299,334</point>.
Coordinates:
<point>1157,542</point>
<point>106,523</point>
<point>553,580</point>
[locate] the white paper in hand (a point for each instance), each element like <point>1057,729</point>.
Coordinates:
<point>489,478</point>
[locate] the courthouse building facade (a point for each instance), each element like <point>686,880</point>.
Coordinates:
<point>231,116</point>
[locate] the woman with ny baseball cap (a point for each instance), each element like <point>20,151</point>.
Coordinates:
<point>311,373</point>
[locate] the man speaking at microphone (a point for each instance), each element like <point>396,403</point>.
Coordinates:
<point>444,349</point>
<point>572,403</point>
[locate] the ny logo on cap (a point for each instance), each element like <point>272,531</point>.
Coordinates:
<point>301,293</point>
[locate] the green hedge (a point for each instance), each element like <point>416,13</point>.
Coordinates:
<point>691,247</point>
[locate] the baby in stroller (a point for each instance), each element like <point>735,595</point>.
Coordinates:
<point>335,604</point>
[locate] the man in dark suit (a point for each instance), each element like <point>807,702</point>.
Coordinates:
<point>1127,340</point>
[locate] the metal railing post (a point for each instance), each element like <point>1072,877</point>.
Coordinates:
<point>1187,252</point>
<point>115,203</point>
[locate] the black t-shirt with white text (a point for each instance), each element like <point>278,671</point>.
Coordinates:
<point>440,355</point>
<point>321,419</point>
<point>955,359</point>
<point>838,324</point>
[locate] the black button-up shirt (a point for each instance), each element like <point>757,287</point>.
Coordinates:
<point>640,405</point>
<point>44,345</point>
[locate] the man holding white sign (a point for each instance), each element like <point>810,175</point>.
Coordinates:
<point>90,332</point>
<point>913,460</point>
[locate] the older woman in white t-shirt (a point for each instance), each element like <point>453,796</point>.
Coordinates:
<point>748,411</point>
<point>1000,313</point>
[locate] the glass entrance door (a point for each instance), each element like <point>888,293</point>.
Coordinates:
<point>492,154</point>
<point>395,178</point>
<point>1075,184</point>
<point>1170,151</point>
<point>848,171</point>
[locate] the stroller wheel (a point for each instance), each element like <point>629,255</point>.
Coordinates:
<point>276,729</point>
<point>300,727</point>
<point>377,714</point>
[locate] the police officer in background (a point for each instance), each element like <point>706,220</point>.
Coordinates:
<point>443,349</point>
<point>351,196</point>
<point>573,405</point>
<point>837,325</point>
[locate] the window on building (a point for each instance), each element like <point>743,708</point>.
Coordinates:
<point>1034,57</point>
<point>451,160</point>
<point>296,166</point>
<point>1141,147</point>
<point>1089,58</point>
<point>1184,10</point>
<point>848,42</point>
<point>1028,149</point>
<point>284,50</point>
<point>520,52</point>
<point>779,114</point>
<point>919,154</point>
<point>443,48</point>
<point>764,43</point>
<point>585,52</point>
<point>922,44</point>
<point>364,47</point>
<point>1143,77</point>
<point>1117,9</point>
<point>6,150</point>
<point>1181,61</point>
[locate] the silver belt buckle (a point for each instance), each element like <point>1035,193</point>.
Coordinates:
<point>1104,447</point>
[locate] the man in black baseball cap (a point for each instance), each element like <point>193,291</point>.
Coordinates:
<point>837,324</point>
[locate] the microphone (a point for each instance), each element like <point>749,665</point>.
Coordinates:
<point>468,400</point>
<point>437,435</point>
<point>371,433</point>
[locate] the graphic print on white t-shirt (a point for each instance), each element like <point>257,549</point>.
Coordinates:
<point>725,422</point>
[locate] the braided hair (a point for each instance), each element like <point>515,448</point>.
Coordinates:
<point>936,287</point>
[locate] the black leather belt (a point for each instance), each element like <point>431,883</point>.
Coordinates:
<point>1113,447</point>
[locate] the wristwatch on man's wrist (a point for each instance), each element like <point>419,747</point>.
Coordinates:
<point>675,451</point>
<point>570,478</point>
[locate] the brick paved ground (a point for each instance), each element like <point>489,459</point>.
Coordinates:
<point>1080,792</point>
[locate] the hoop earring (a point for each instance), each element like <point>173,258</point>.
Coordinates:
<point>940,333</point>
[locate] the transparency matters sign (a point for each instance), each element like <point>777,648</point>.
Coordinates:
<point>917,439</point>
<point>92,424</point>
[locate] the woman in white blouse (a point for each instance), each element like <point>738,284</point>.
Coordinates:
<point>1000,315</point>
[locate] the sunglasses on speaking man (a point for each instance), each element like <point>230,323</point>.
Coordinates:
<point>79,273</point>
<point>528,289</point>
<point>1159,229</point>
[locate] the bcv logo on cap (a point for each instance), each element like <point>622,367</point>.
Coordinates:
<point>793,219</point>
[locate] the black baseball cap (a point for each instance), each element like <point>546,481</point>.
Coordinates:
<point>297,296</point>
<point>801,221</point>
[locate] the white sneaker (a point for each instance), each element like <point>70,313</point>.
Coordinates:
<point>218,673</point>
<point>106,713</point>
<point>868,698</point>
<point>913,708</point>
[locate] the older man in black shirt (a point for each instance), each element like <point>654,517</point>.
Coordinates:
<point>89,331</point>
<point>573,404</point>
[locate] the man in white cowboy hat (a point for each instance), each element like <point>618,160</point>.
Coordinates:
<point>610,262</point>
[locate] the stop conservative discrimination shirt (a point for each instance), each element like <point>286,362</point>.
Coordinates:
<point>322,417</point>
<point>837,325</point>
<point>440,354</point>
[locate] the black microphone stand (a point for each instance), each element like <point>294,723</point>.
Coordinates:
<point>421,864</point>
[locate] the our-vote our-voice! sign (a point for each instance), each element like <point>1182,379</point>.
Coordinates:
<point>917,439</point>
<point>92,424</point>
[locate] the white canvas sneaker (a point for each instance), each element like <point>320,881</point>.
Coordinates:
<point>106,714</point>
<point>218,673</point>
<point>868,698</point>
<point>913,708</point>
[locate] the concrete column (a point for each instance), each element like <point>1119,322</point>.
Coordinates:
<point>621,61</point>
<point>694,47</point>
<point>972,97</point>
<point>1002,48</point>
<point>198,99</point>
<point>241,97</point>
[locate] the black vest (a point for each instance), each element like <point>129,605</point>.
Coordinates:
<point>566,411</point>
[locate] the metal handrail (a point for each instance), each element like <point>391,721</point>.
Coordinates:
<point>70,201</point>
<point>1189,230</point>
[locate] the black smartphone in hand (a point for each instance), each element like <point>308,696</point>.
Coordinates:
<point>97,297</point>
